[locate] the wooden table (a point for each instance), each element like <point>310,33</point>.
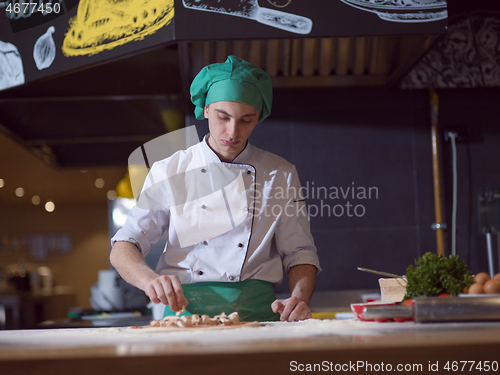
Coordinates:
<point>278,348</point>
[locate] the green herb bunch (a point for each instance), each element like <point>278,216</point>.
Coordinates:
<point>435,274</point>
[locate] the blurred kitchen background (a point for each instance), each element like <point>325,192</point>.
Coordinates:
<point>349,112</point>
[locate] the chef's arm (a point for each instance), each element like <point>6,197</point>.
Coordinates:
<point>133,268</point>
<point>302,280</point>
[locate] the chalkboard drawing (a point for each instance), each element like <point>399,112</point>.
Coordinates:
<point>11,66</point>
<point>403,10</point>
<point>44,51</point>
<point>101,25</point>
<point>250,9</point>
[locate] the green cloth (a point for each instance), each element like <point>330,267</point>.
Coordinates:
<point>252,299</point>
<point>235,80</point>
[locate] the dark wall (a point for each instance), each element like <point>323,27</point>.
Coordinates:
<point>378,141</point>
<point>364,139</point>
<point>475,113</point>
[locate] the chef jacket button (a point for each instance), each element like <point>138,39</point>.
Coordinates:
<point>240,245</point>
<point>203,170</point>
<point>231,278</point>
<point>205,243</point>
<point>200,273</point>
<point>203,206</point>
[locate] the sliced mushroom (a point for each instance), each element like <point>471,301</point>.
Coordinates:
<point>184,321</point>
<point>195,319</point>
<point>234,318</point>
<point>169,321</point>
<point>205,320</point>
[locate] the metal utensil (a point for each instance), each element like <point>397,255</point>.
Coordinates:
<point>379,272</point>
<point>435,309</point>
<point>250,9</point>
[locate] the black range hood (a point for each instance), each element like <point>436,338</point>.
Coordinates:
<point>103,77</point>
<point>95,116</point>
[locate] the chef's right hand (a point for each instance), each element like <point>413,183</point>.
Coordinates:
<point>168,290</point>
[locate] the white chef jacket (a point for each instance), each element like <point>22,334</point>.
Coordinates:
<point>258,236</point>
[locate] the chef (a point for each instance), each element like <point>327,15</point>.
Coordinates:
<point>234,213</point>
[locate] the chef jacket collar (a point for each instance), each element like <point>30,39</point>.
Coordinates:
<point>212,157</point>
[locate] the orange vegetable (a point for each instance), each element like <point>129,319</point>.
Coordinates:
<point>408,302</point>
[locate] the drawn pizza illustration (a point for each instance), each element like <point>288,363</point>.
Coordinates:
<point>101,25</point>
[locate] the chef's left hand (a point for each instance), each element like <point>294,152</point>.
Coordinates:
<point>291,309</point>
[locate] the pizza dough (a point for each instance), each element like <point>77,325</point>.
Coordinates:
<point>197,320</point>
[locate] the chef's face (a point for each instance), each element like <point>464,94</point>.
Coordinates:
<point>230,124</point>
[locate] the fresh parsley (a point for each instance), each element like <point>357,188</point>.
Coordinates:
<point>434,274</point>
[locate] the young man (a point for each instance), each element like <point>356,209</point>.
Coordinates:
<point>234,213</point>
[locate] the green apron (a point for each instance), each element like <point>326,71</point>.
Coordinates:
<point>252,299</point>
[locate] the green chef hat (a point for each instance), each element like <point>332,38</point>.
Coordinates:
<point>235,80</point>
